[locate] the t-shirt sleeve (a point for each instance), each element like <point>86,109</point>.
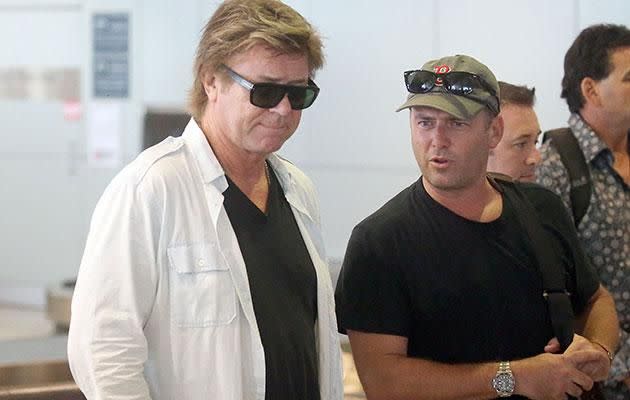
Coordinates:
<point>370,294</point>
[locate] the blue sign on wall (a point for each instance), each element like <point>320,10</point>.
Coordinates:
<point>111,55</point>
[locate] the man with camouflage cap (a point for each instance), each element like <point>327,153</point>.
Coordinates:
<point>441,292</point>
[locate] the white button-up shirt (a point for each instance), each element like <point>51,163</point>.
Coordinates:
<point>162,307</point>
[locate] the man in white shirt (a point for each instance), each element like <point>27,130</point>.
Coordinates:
<point>204,275</point>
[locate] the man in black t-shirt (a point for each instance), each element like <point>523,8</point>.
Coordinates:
<point>441,292</point>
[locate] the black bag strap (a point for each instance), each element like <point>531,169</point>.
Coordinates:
<point>553,282</point>
<point>572,158</point>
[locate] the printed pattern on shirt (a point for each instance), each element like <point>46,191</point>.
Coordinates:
<point>604,231</point>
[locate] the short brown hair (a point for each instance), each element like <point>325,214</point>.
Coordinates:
<point>237,26</point>
<point>516,95</point>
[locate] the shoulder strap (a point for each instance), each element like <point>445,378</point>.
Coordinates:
<point>579,174</point>
<point>554,285</point>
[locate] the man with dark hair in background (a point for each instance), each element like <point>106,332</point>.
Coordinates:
<point>204,273</point>
<point>596,86</point>
<point>516,155</point>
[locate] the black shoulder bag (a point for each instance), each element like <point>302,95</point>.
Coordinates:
<point>554,286</point>
<point>572,158</point>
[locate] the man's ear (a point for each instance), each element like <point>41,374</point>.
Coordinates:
<point>590,91</point>
<point>496,131</point>
<point>210,85</point>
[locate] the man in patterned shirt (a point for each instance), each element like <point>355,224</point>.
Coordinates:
<point>596,86</point>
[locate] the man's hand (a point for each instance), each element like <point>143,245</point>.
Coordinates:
<point>551,376</point>
<point>594,361</point>
<point>553,346</point>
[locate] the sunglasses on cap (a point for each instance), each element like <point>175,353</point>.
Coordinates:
<point>459,83</point>
<point>269,95</point>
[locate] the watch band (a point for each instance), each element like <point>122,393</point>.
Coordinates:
<point>504,382</point>
<point>504,366</point>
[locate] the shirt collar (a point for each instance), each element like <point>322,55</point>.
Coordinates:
<point>212,172</point>
<point>590,143</point>
<point>284,175</point>
<point>209,166</point>
<point>288,181</point>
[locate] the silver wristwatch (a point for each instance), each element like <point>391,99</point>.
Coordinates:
<point>503,382</point>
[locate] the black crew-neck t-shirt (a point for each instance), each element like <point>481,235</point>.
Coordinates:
<point>283,286</point>
<point>461,291</point>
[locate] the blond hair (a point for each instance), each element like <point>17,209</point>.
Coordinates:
<point>239,25</point>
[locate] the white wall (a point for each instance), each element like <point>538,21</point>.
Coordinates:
<point>351,142</point>
<point>355,146</point>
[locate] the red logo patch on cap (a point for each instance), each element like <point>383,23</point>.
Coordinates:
<point>441,70</point>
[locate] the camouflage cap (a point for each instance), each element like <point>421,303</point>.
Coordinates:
<point>460,106</point>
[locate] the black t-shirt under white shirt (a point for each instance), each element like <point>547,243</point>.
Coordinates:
<point>283,286</point>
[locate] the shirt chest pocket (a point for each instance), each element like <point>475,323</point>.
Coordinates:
<point>201,288</point>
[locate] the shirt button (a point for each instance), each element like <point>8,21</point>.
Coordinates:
<point>201,262</point>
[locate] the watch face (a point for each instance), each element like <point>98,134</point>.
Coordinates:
<point>503,383</point>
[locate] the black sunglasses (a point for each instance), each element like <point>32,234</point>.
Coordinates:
<point>269,95</point>
<point>459,83</point>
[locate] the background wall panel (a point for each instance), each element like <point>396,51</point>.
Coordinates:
<point>351,142</point>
